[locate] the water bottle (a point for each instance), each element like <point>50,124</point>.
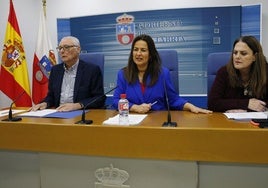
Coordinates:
<point>123,108</point>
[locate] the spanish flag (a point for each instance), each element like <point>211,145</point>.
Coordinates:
<point>14,79</point>
<point>44,59</point>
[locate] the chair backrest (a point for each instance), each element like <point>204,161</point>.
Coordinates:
<point>169,59</point>
<point>95,58</point>
<point>215,61</point>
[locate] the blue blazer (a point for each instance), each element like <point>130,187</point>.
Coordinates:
<point>88,85</point>
<point>151,94</point>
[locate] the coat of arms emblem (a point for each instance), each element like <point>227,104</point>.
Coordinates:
<point>125,29</point>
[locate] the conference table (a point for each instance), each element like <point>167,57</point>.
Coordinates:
<point>199,140</point>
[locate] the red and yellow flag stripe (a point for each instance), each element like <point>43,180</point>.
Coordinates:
<point>14,78</point>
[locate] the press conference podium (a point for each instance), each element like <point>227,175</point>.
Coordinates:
<point>205,150</point>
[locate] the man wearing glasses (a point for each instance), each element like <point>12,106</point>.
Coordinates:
<point>73,84</point>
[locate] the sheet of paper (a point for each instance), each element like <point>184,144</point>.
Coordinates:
<point>52,113</point>
<point>5,112</point>
<point>134,119</point>
<point>246,115</point>
<point>39,113</point>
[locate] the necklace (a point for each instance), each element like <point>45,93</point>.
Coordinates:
<point>245,84</point>
<point>246,91</point>
<point>246,87</point>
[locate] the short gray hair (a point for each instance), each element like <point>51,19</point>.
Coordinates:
<point>73,39</point>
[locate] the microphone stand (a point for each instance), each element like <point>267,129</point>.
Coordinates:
<point>168,123</point>
<point>10,115</point>
<point>83,117</point>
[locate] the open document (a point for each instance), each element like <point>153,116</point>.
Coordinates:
<point>6,112</point>
<point>246,115</point>
<point>134,119</point>
<point>52,113</point>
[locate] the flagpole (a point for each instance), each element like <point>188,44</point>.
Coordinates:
<point>44,7</point>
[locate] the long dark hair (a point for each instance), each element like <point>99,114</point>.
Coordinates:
<point>154,64</point>
<point>258,74</point>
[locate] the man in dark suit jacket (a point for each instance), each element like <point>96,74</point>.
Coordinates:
<point>74,83</point>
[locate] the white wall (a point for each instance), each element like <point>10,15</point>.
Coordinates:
<point>27,12</point>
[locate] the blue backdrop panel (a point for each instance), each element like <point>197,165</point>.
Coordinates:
<point>251,21</point>
<point>192,32</point>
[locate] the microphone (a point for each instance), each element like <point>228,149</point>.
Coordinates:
<point>168,123</point>
<point>83,119</point>
<point>10,116</point>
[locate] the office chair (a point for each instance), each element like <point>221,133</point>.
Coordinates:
<point>95,58</point>
<point>215,61</point>
<point>169,60</point>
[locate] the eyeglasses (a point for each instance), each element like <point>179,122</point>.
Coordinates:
<point>65,47</point>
